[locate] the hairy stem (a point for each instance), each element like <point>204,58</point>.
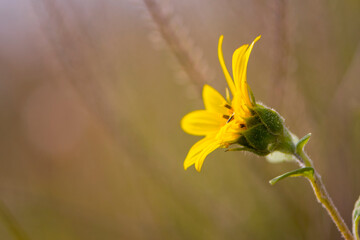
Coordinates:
<point>324,198</point>
<point>356,229</point>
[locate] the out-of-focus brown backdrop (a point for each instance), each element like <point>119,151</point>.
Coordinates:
<point>91,97</point>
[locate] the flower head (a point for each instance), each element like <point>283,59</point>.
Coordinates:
<point>223,120</point>
<point>241,121</point>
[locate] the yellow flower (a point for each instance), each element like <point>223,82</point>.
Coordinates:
<point>223,120</point>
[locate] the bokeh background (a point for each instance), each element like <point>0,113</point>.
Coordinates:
<point>91,97</point>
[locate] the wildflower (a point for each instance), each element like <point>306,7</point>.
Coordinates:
<point>241,121</point>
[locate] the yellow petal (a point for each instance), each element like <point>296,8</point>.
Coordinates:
<point>223,66</point>
<point>237,61</point>
<point>244,86</point>
<point>230,133</point>
<point>210,148</point>
<point>196,150</point>
<point>213,101</point>
<point>202,122</point>
<point>240,106</point>
<point>241,68</point>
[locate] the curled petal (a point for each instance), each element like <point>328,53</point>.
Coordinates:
<point>244,85</point>
<point>210,148</point>
<point>196,150</point>
<point>223,66</point>
<point>240,62</point>
<point>237,63</point>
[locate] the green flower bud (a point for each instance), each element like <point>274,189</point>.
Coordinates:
<point>266,133</point>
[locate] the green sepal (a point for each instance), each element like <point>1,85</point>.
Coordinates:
<point>307,172</point>
<point>285,143</point>
<point>260,153</point>
<point>356,219</point>
<point>259,137</point>
<point>271,119</point>
<point>252,121</point>
<point>252,97</point>
<point>301,143</point>
<point>244,142</point>
<point>236,149</point>
<point>248,147</point>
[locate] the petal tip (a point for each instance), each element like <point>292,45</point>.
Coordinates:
<point>182,123</point>
<point>187,164</point>
<point>257,38</point>
<point>206,89</point>
<point>221,38</point>
<point>206,86</point>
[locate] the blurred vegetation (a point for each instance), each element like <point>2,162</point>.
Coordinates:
<point>91,97</point>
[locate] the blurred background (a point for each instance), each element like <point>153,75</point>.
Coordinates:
<point>91,98</point>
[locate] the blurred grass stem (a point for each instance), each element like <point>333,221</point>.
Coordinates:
<point>282,51</point>
<point>175,42</point>
<point>324,198</point>
<point>11,223</point>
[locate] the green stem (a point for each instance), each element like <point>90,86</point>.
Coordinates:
<point>324,198</point>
